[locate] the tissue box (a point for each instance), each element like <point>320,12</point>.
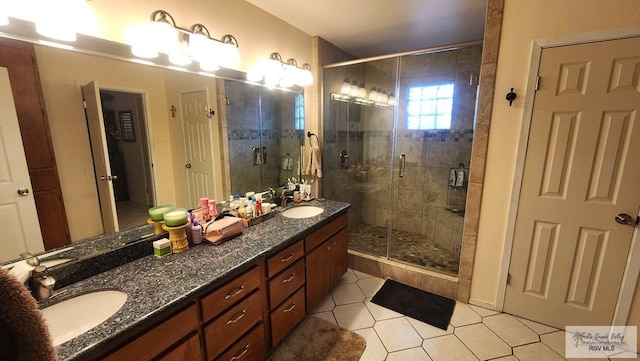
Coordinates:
<point>161,247</point>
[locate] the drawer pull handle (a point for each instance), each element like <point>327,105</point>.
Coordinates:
<point>235,293</point>
<point>290,308</point>
<point>293,275</point>
<point>287,259</point>
<point>241,354</point>
<point>237,317</point>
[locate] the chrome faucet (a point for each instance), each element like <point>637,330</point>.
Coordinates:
<point>42,283</point>
<point>284,198</point>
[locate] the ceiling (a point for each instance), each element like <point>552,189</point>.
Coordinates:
<point>367,28</point>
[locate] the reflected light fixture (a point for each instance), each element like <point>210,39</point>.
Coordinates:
<point>275,72</point>
<point>4,19</point>
<point>183,46</point>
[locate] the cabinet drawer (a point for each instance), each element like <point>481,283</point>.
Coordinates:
<point>227,329</point>
<point>323,233</point>
<point>160,338</point>
<point>286,316</point>
<point>249,348</point>
<point>227,295</point>
<point>285,258</point>
<point>284,284</point>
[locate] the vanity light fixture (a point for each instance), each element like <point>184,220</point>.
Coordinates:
<point>162,35</point>
<point>4,19</point>
<point>276,72</point>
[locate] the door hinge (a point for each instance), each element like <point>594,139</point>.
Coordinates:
<point>227,101</point>
<point>537,83</point>
<point>84,103</point>
<point>508,279</point>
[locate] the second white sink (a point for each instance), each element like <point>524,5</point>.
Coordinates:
<point>302,212</point>
<point>75,316</point>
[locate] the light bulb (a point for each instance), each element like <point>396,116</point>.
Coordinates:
<point>306,78</point>
<point>384,99</point>
<point>139,38</point>
<point>373,94</point>
<point>4,19</point>
<point>362,92</point>
<point>346,87</point>
<point>392,99</point>
<point>354,88</point>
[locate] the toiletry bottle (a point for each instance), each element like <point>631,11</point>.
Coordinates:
<point>196,232</point>
<point>258,204</point>
<point>452,177</point>
<point>213,210</point>
<point>460,178</point>
<point>241,212</point>
<point>248,212</point>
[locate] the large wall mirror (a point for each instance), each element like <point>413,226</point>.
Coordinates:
<point>169,136</point>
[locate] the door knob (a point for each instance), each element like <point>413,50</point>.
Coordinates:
<point>103,177</point>
<point>188,165</point>
<point>114,177</point>
<point>23,191</point>
<point>624,218</point>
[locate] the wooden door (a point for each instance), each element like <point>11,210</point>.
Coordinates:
<point>101,165</point>
<point>20,60</point>
<point>18,232</point>
<point>581,170</point>
<point>199,163</point>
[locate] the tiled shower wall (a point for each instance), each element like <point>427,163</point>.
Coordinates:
<point>264,119</point>
<point>419,198</point>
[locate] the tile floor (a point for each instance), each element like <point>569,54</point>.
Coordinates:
<point>474,333</point>
<point>131,214</point>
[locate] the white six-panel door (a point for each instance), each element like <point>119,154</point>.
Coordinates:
<point>198,146</point>
<point>582,169</point>
<point>19,227</point>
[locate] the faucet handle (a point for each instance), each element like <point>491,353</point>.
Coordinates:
<point>31,259</point>
<point>40,271</point>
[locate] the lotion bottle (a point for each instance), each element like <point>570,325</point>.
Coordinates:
<point>196,232</point>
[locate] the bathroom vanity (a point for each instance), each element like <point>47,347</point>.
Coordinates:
<point>236,300</point>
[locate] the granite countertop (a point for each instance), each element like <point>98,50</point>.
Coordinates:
<point>158,287</point>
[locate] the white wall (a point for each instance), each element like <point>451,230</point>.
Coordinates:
<point>524,21</point>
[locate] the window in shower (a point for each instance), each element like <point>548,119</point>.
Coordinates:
<point>299,112</point>
<point>429,107</point>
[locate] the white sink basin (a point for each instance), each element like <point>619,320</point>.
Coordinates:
<point>302,212</point>
<point>75,316</point>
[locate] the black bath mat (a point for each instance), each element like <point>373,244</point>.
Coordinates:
<point>421,305</point>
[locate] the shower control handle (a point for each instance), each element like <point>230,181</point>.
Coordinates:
<point>403,164</point>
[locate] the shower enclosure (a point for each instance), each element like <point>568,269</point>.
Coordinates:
<point>397,137</point>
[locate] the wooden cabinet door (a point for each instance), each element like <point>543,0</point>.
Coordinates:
<point>338,256</point>
<point>318,281</point>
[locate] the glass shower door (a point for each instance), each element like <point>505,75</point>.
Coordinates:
<point>359,137</point>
